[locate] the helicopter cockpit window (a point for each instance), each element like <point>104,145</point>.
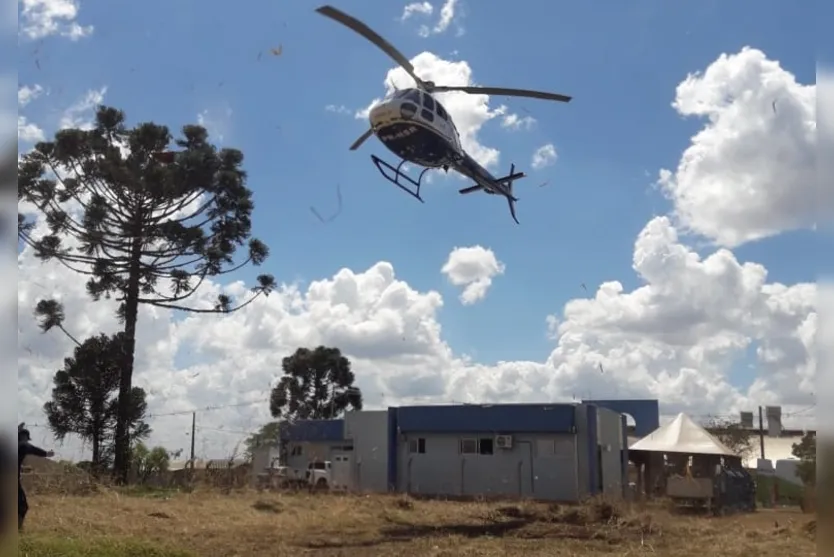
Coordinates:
<point>428,101</point>
<point>410,95</point>
<point>441,111</point>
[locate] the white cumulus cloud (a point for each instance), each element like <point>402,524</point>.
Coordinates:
<point>43,18</point>
<point>28,132</point>
<point>338,109</point>
<point>416,8</point>
<point>473,268</point>
<point>543,156</point>
<point>81,113</point>
<point>513,121</point>
<point>26,94</point>
<point>218,123</point>
<point>448,14</point>
<point>750,172</point>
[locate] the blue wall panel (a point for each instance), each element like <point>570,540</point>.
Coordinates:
<point>499,418</point>
<point>312,430</point>
<point>646,412</point>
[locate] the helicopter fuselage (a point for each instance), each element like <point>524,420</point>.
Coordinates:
<point>415,127</point>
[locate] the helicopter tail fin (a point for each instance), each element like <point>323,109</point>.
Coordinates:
<point>510,178</point>
<point>508,181</point>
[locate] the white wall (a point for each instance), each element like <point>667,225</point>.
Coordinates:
<point>368,429</point>
<point>542,466</point>
<point>309,452</point>
<point>610,439</point>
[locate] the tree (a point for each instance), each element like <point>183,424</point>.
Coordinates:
<point>806,451</point>
<point>733,435</point>
<point>317,384</point>
<point>144,223</point>
<point>146,462</point>
<point>266,434</point>
<point>83,401</point>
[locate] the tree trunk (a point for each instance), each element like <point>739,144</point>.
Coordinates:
<point>96,452</point>
<point>121,466</point>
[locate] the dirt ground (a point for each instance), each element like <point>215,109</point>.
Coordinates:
<point>212,524</point>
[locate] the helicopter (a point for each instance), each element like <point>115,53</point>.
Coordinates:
<point>415,126</point>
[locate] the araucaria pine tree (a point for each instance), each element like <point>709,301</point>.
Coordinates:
<point>146,219</point>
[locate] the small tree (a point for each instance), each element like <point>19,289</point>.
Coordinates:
<point>148,462</point>
<point>317,384</point>
<point>268,433</point>
<point>144,224</point>
<point>84,400</point>
<point>733,435</point>
<point>806,451</point>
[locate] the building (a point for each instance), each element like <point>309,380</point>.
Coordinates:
<point>558,452</point>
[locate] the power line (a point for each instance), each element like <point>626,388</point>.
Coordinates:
<point>207,409</point>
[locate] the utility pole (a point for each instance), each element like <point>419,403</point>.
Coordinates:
<point>761,434</point>
<point>194,434</point>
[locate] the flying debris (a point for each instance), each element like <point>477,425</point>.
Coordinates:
<point>277,51</point>
<point>773,105</point>
<point>585,288</point>
<point>601,370</point>
<point>415,126</point>
<point>338,208</point>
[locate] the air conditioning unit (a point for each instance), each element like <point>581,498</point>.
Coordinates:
<point>504,441</point>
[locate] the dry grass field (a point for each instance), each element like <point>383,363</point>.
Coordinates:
<point>209,523</point>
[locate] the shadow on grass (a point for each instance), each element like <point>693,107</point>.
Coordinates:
<point>509,522</point>
<point>47,546</point>
<point>405,533</point>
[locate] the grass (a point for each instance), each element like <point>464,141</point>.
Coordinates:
<point>207,523</point>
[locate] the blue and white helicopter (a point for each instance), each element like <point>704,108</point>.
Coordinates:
<point>413,125</point>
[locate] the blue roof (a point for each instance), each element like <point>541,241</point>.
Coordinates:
<point>487,418</point>
<point>312,430</point>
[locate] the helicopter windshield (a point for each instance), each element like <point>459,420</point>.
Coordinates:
<point>412,95</point>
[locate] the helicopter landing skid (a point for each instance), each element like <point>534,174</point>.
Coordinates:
<point>413,189</point>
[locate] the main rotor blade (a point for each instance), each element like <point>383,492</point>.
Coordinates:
<point>371,35</point>
<point>362,138</point>
<point>500,91</point>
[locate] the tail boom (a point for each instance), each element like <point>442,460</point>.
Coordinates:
<point>504,187</point>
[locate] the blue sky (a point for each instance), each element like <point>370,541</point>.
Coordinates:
<point>169,61</point>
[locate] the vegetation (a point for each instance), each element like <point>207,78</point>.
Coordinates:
<point>806,451</point>
<point>209,524</point>
<point>733,435</point>
<point>84,398</point>
<point>148,462</point>
<point>144,224</point>
<point>316,385</point>
<point>266,434</point>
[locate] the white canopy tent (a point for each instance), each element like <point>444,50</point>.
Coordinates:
<point>681,435</point>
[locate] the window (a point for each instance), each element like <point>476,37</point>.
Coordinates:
<point>468,446</point>
<point>296,451</point>
<point>441,112</point>
<point>427,116</point>
<point>417,446</point>
<point>485,446</point>
<point>411,95</point>
<point>428,101</point>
